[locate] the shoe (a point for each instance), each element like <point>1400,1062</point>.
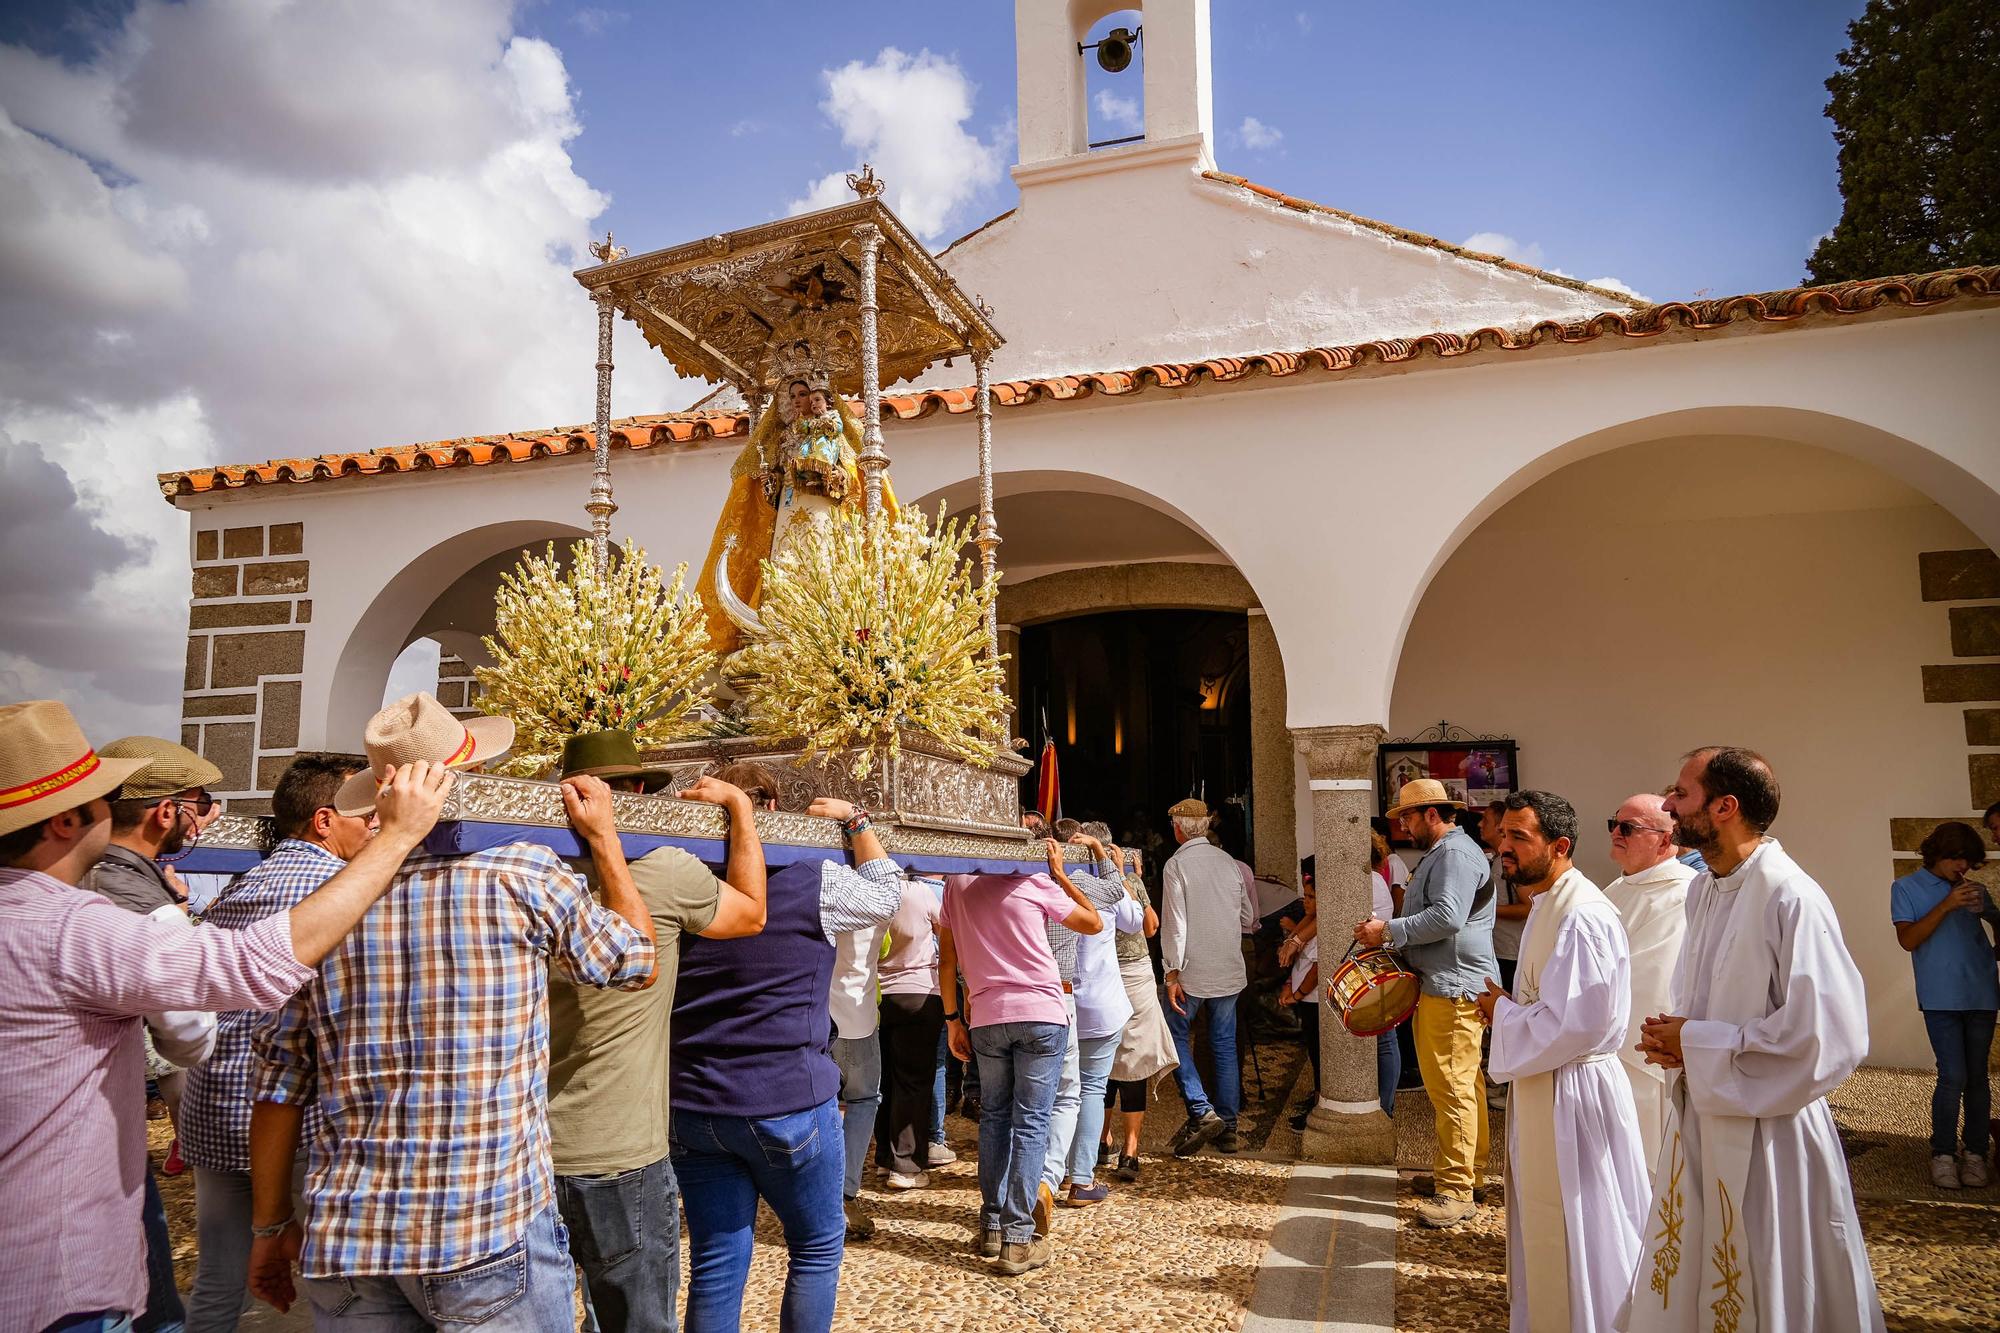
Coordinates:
<point>1106,1154</point>
<point>860,1226</point>
<point>896,1180</point>
<point>1972,1172</point>
<point>1944,1171</point>
<point>969,1108</point>
<point>1425,1187</point>
<point>1442,1213</point>
<point>1127,1170</point>
<point>173,1166</point>
<point>940,1155</point>
<point>1020,1257</point>
<point>1298,1121</point>
<point>1228,1140</point>
<point>1082,1196</point>
<point>1045,1208</point>
<point>1199,1131</point>
<point>988,1243</point>
<point>156,1108</point>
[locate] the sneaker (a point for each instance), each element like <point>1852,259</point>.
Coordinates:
<point>1228,1140</point>
<point>940,1154</point>
<point>988,1243</point>
<point>896,1180</point>
<point>1106,1154</point>
<point>173,1166</point>
<point>1127,1170</point>
<point>1082,1196</point>
<point>1972,1172</point>
<point>1944,1171</point>
<point>1018,1257</point>
<point>860,1226</point>
<point>1298,1121</point>
<point>156,1108</point>
<point>1442,1213</point>
<point>1199,1131</point>
<point>1045,1211</point>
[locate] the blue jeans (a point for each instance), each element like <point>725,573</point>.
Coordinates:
<point>1221,1042</point>
<point>164,1312</point>
<point>529,1287</point>
<point>860,1064</point>
<point>1962,1040</point>
<point>1094,1059</point>
<point>625,1232</point>
<point>97,1321</point>
<point>1063,1111</point>
<point>1019,1066</point>
<point>794,1163</point>
<point>937,1093</point>
<point>1388,1069</point>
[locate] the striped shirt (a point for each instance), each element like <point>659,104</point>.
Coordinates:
<point>426,1041</point>
<point>75,974</point>
<point>214,1120</point>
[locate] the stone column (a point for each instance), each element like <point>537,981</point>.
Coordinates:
<point>1347,1125</point>
<point>1272,809</point>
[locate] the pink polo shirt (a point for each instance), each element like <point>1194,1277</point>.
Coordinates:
<point>76,971</point>
<point>998,926</point>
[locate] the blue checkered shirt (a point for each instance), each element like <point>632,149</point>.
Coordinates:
<point>214,1121</point>
<point>426,1040</point>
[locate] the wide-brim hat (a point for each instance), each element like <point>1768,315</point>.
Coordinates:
<point>47,767</point>
<point>418,727</point>
<point>173,768</point>
<point>1423,791</point>
<point>605,754</point>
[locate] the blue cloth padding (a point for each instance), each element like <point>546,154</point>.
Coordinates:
<point>461,837</point>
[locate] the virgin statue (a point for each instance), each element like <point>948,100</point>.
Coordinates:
<point>800,465</point>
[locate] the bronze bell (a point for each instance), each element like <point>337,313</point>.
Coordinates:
<point>1114,51</point>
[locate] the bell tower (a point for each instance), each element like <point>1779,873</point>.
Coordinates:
<point>1052,107</point>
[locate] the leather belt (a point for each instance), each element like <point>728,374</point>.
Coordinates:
<point>1068,989</point>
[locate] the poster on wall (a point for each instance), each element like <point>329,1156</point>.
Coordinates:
<point>1475,769</point>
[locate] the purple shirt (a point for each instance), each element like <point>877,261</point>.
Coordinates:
<point>997,925</point>
<point>76,971</point>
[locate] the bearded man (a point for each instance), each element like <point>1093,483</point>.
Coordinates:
<point>1576,1187</point>
<point>1753,1223</point>
<point>1650,894</point>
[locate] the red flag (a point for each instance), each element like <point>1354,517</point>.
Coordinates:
<point>1048,787</point>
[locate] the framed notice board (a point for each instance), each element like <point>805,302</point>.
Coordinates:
<point>1475,769</point>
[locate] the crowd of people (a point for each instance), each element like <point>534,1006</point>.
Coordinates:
<point>424,1090</point>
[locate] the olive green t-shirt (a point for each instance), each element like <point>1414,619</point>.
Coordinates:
<point>608,1048</point>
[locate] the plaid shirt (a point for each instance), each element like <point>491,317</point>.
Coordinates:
<point>1103,890</point>
<point>426,1041</point>
<point>214,1120</point>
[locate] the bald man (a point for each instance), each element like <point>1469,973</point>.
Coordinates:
<point>1651,897</point>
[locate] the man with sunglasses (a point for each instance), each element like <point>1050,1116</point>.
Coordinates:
<point>1651,897</point>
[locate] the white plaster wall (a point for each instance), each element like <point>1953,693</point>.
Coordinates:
<point>1120,266</point>
<point>1577,620</point>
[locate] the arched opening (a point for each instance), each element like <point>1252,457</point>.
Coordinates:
<point>1637,602</point>
<point>445,595</point>
<point>1115,106</point>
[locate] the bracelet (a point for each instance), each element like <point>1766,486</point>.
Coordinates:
<point>858,822</point>
<point>275,1229</point>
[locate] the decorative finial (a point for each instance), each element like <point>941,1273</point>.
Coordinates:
<point>866,185</point>
<point>979,303</point>
<point>606,252</point>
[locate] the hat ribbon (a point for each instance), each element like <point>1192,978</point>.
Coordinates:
<point>37,788</point>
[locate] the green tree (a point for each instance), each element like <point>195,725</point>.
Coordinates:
<point>1916,112</point>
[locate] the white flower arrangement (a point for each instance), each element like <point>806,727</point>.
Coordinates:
<point>575,653</point>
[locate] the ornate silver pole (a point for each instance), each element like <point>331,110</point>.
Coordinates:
<point>601,507</point>
<point>873,459</point>
<point>988,537</point>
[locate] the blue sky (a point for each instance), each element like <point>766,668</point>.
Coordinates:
<point>1679,147</point>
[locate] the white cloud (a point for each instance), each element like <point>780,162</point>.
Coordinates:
<point>592,20</point>
<point>906,116</point>
<point>1256,135</point>
<point>1122,112</point>
<point>1617,286</point>
<point>1305,21</point>
<point>214,248</point>
<point>1499,243</point>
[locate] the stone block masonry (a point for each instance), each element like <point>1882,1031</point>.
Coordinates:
<point>246,654</point>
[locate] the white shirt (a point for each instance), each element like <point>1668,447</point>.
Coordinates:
<point>1206,908</point>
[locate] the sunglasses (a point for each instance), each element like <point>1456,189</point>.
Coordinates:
<point>1626,827</point>
<point>202,804</point>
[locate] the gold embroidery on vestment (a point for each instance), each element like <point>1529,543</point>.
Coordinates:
<point>1728,1307</point>
<point>1673,1216</point>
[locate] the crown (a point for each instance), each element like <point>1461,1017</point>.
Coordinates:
<point>798,360</point>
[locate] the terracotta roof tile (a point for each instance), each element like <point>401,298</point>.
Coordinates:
<point>1920,292</point>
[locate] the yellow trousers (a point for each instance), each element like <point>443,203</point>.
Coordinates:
<point>1447,1037</point>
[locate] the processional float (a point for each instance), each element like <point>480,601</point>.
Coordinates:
<point>837,301</point>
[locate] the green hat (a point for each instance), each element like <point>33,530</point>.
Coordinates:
<point>174,768</point>
<point>604,754</point>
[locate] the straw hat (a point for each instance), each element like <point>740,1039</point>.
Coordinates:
<point>1423,791</point>
<point>418,727</point>
<point>47,767</point>
<point>1189,809</point>
<point>174,768</point>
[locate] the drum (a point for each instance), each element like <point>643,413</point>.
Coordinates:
<point>1373,992</point>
